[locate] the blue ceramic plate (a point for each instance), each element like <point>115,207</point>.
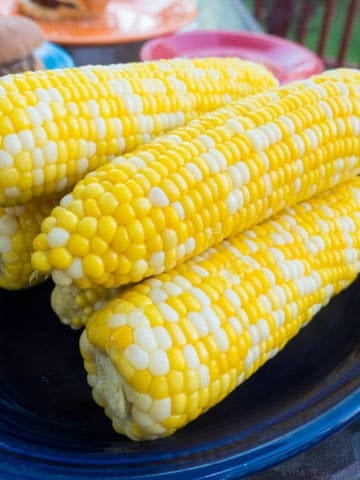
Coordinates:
<point>54,56</point>
<point>51,428</point>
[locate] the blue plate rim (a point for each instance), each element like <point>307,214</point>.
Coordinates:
<point>235,466</point>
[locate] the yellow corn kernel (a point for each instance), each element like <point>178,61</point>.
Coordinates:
<point>93,265</point>
<point>81,117</point>
<point>60,257</point>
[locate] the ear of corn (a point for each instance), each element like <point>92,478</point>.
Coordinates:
<point>146,212</point>
<point>57,125</point>
<point>167,349</point>
<point>18,228</point>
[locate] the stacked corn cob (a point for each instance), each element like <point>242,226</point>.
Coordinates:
<point>165,350</point>
<point>220,302</point>
<point>173,198</point>
<point>55,126</point>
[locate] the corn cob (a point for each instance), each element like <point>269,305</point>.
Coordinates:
<point>169,348</point>
<point>57,125</point>
<point>146,212</point>
<point>18,228</point>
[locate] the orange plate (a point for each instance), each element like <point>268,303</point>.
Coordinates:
<point>123,21</point>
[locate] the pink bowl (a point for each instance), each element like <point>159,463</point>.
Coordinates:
<point>287,60</point>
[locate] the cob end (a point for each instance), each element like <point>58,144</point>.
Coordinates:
<point>64,307</point>
<point>26,279</point>
<point>110,392</point>
<point>74,305</point>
